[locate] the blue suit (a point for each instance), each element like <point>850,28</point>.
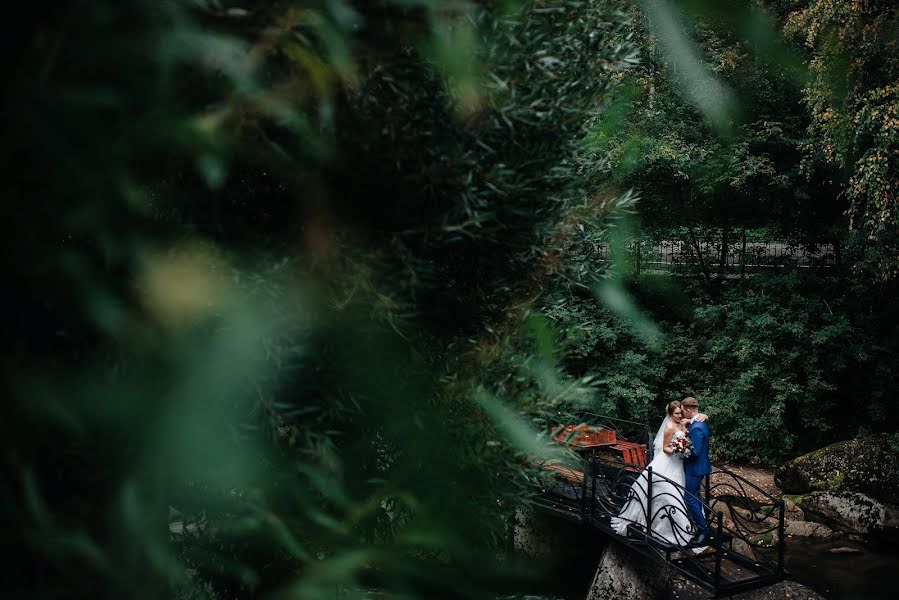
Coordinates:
<point>695,468</point>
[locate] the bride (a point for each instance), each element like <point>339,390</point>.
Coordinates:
<point>669,512</point>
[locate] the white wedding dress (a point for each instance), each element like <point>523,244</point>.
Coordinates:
<point>670,522</point>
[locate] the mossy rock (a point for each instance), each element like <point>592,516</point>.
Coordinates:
<point>763,539</point>
<point>623,573</point>
<point>867,465</point>
<point>852,512</point>
<point>809,529</point>
<point>783,589</point>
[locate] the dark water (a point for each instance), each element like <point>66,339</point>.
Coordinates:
<point>873,573</point>
<point>870,574</point>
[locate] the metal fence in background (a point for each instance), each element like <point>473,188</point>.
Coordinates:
<point>681,256</point>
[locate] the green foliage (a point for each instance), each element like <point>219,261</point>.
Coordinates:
<point>294,289</point>
<point>853,98</point>
<point>695,171</point>
<point>770,358</point>
<point>608,348</point>
<point>260,241</point>
<point>776,360</point>
<point>774,356</point>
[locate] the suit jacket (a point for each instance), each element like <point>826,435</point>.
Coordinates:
<point>698,464</point>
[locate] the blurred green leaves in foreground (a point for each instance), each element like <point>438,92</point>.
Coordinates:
<point>246,247</point>
<point>293,289</point>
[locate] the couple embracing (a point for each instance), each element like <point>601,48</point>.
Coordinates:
<point>680,461</point>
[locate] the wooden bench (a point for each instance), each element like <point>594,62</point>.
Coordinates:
<point>566,473</point>
<point>586,437</point>
<point>633,455</point>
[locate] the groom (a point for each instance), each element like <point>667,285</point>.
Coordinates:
<point>696,467</point>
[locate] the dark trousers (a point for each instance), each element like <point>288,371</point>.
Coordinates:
<point>694,508</point>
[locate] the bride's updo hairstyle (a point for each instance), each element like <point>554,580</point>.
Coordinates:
<point>672,406</point>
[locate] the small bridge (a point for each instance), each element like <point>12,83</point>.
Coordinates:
<point>607,455</point>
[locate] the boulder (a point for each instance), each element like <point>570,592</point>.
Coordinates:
<point>792,512</point>
<point>784,589</point>
<point>845,550</point>
<point>685,590</point>
<point>852,512</point>
<point>867,465</point>
<point>555,547</point>
<point>536,535</point>
<point>809,529</point>
<point>625,574</point>
<point>743,547</point>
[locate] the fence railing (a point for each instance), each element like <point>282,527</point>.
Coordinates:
<point>688,257</point>
<point>648,511</point>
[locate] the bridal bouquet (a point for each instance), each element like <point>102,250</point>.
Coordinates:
<point>682,446</point>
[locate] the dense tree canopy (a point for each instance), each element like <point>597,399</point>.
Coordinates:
<point>852,98</point>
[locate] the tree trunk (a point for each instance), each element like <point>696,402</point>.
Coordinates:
<point>698,250</point>
<point>743,257</point>
<point>725,240</point>
<point>639,254</point>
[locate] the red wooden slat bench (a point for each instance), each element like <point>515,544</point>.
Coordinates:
<point>584,436</point>
<point>569,474</point>
<point>634,455</point>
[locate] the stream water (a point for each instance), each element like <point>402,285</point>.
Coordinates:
<point>870,572</point>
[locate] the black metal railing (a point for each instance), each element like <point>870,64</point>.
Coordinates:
<point>746,523</point>
<point>685,256</point>
<point>634,431</point>
<point>581,480</point>
<point>752,516</point>
<point>660,527</point>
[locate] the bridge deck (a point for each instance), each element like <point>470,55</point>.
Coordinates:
<point>596,490</point>
<point>735,572</point>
